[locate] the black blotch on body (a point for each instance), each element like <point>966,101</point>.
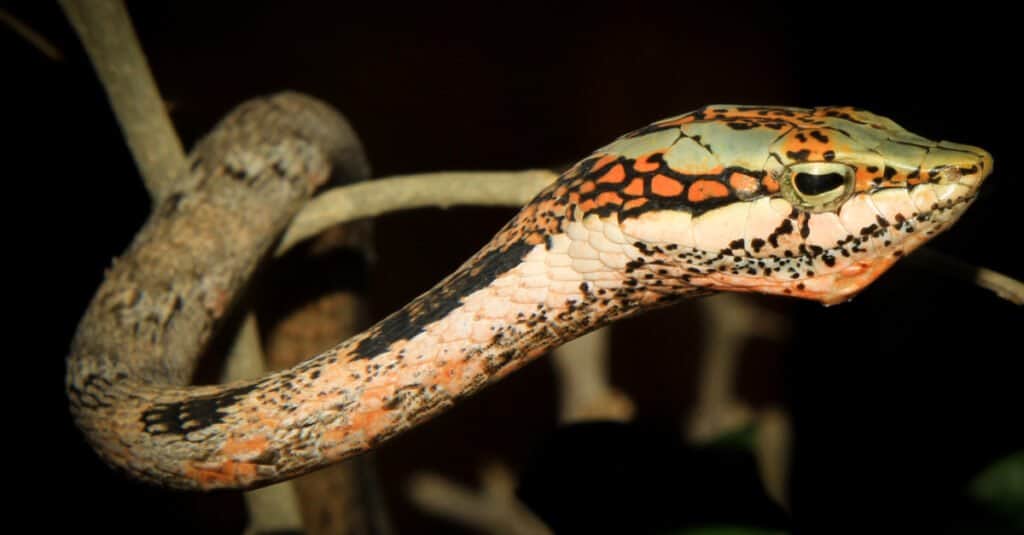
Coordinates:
<point>199,413</point>
<point>441,300</point>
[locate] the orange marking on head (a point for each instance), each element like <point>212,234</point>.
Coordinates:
<point>587,187</point>
<point>703,190</point>
<point>644,164</point>
<point>677,122</point>
<point>608,197</point>
<point>614,175</point>
<point>665,186</point>
<point>634,203</point>
<point>864,179</point>
<point>635,188</point>
<point>743,183</point>
<point>770,184</point>
<point>603,161</point>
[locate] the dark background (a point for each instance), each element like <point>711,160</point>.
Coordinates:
<point>898,398</point>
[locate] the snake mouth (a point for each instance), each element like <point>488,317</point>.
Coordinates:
<point>842,285</point>
<point>926,211</point>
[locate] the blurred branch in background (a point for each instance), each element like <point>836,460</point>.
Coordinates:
<point>108,37</point>
<point>493,509</point>
<point>732,320</point>
<point>584,381</point>
<point>34,38</point>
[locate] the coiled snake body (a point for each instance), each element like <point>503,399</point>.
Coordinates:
<point>810,203</point>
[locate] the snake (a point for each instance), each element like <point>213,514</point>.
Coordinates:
<point>811,203</point>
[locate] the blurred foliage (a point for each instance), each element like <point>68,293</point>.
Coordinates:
<point>999,489</point>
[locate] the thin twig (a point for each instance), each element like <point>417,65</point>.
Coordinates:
<point>390,194</point>
<point>34,38</point>
<point>108,37</point>
<point>1005,287</point>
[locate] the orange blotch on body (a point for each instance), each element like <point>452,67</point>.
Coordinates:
<point>244,448</point>
<point>226,474</point>
<point>770,184</point>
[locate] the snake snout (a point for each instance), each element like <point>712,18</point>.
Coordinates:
<point>967,165</point>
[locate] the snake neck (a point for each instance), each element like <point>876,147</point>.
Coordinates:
<point>514,300</point>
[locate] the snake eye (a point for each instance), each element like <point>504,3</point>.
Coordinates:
<point>817,186</point>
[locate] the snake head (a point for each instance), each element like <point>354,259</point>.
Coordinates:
<point>811,203</point>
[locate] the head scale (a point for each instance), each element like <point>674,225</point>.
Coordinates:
<point>813,203</point>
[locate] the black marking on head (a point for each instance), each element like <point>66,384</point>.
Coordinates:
<point>441,300</point>
<point>786,227</point>
<point>805,227</point>
<point>798,155</point>
<point>185,417</point>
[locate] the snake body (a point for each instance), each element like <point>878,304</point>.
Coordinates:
<point>809,203</point>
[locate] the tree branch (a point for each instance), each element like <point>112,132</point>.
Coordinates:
<point>108,37</point>
<point>406,192</point>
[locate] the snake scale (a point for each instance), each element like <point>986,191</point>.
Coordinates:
<point>810,203</point>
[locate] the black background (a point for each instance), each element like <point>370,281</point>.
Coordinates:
<point>898,398</point>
